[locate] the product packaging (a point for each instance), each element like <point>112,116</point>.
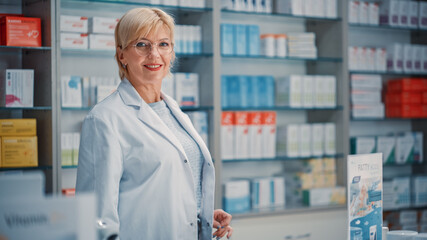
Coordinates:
<point>17,88</point>
<point>20,31</point>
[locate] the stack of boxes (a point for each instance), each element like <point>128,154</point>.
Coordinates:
<point>70,143</point>
<point>75,29</point>
<point>188,39</point>
<point>306,91</point>
<point>247,91</point>
<point>403,13</point>
<point>18,143</point>
<point>17,88</point>
<point>309,8</point>
<point>401,148</point>
<point>183,87</point>
<point>264,6</point>
<point>408,58</point>
<point>364,12</point>
<point>302,45</point>
<point>248,135</point>
<point>367,58</point>
<point>16,30</point>
<point>78,92</point>
<point>242,195</point>
<point>397,193</point>
<point>366,96</point>
<point>313,183</point>
<point>240,40</point>
<point>306,140</point>
<point>406,98</point>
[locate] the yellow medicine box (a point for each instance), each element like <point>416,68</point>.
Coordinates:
<point>19,152</point>
<point>18,127</point>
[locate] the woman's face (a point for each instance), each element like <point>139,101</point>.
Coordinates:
<point>145,64</point>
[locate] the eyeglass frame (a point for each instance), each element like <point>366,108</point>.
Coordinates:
<point>151,46</point>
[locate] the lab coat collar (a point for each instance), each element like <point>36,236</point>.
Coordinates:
<point>146,114</point>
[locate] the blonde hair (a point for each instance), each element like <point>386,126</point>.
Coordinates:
<point>140,22</point>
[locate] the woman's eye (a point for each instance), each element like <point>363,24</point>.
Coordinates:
<point>141,44</point>
<point>164,44</point>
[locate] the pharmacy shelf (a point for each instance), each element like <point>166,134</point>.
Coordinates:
<point>69,167</point>
<point>281,109</point>
<point>25,48</point>
<point>318,59</point>
<point>185,109</point>
<point>323,19</point>
<point>281,159</point>
<point>45,108</point>
<point>386,119</point>
<point>385,27</point>
<point>2,169</point>
<point>402,208</point>
<point>111,53</point>
<point>285,210</point>
<point>390,73</point>
<point>113,4</point>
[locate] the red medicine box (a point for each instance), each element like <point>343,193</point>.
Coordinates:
<point>405,111</point>
<point>20,31</point>
<point>403,97</point>
<point>407,84</point>
<point>424,98</point>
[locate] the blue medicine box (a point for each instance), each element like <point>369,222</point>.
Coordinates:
<point>227,39</point>
<point>253,40</point>
<point>240,43</point>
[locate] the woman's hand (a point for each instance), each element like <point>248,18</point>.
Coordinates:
<point>221,221</point>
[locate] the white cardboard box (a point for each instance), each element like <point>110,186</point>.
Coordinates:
<point>368,111</point>
<point>395,57</point>
<point>74,40</point>
<point>304,138</point>
<point>101,42</point>
<point>422,24</point>
<point>187,89</point>
<point>366,82</point>
<point>363,12</point>
<point>365,96</point>
<point>386,145</point>
<point>241,140</point>
<point>329,141</point>
<point>413,14</point>
<point>417,57</point>
<point>353,59</point>
<point>261,192</point>
<point>237,196</point>
<point>381,59</point>
<point>331,9</point>
<point>404,13</point>
<point>269,134</point>
<point>227,135</point>
<point>288,91</point>
<point>17,88</point>
<point>362,145</point>
<point>103,25</point>
<point>374,13</point>
<point>408,58</point>
<point>71,91</point>
<point>353,11</point>
<point>288,140</point>
<point>308,91</point>
<point>389,13</point>
<point>317,138</point>
<point>255,135</point>
<point>77,24</point>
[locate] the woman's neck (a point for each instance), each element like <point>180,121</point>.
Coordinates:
<point>149,92</point>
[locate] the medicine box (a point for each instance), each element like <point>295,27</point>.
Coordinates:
<point>187,89</point>
<point>74,40</point>
<point>320,91</point>
<point>403,98</point>
<point>395,57</point>
<point>240,40</point>
<point>76,145</point>
<point>422,24</point>
<point>353,11</point>
<point>67,149</point>
<point>289,91</point>
<point>227,135</point>
<point>241,140</point>
<point>268,134</point>
<point>405,143</point>
<point>331,8</point>
<point>407,58</point>
<point>317,139</point>
<point>307,96</point>
<point>20,31</point>
<point>329,141</point>
<point>71,91</point>
<point>18,127</point>
<point>19,151</point>
<point>419,191</point>
<point>413,14</point>
<point>76,24</point>
<point>381,59</point>
<point>404,13</point>
<point>278,191</point>
<point>374,13</point>
<point>363,12</point>
<point>101,42</point>
<point>102,25</point>
<point>288,140</point>
<point>253,40</point>
<point>362,145</point>
<point>17,88</point>
<point>368,111</point>
<point>237,196</point>
<point>304,140</point>
<point>255,135</point>
<point>328,164</point>
<point>387,146</point>
<point>389,13</point>
<point>407,84</point>
<point>261,192</point>
<point>227,39</point>
<point>365,96</point>
<point>324,196</point>
<point>265,86</point>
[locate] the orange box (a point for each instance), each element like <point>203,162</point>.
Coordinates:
<point>407,84</point>
<point>405,111</point>
<point>393,98</point>
<point>20,31</point>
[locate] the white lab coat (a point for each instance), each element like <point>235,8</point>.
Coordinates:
<point>140,172</point>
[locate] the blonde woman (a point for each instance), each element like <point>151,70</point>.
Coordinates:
<point>152,173</point>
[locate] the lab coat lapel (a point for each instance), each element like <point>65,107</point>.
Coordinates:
<point>147,115</point>
<point>188,126</point>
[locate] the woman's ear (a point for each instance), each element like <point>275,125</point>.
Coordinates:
<point>119,53</point>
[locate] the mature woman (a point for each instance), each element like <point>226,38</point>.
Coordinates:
<point>152,173</point>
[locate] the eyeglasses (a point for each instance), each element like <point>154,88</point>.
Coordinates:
<point>144,47</point>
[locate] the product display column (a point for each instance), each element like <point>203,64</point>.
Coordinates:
<point>282,128</point>
<point>387,74</point>
<point>89,72</point>
<point>28,99</point>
